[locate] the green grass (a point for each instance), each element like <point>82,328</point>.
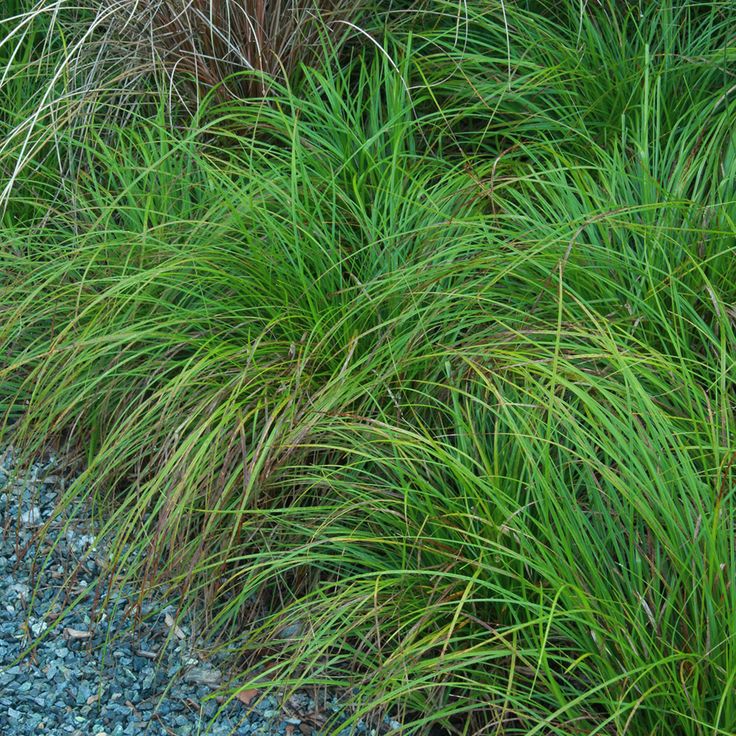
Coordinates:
<point>429,355</point>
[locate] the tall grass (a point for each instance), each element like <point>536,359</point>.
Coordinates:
<point>419,377</point>
<point>93,65</point>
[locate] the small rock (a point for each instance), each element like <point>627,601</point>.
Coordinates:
<point>203,676</point>
<point>21,589</point>
<point>32,517</point>
<point>38,626</point>
<point>209,708</point>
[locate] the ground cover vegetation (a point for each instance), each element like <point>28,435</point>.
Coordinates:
<point>400,337</point>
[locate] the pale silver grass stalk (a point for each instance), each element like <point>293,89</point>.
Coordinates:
<point>117,47</point>
<point>29,148</point>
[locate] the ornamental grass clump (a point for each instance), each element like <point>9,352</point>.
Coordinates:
<point>429,408</point>
<point>92,66</point>
<point>204,43</point>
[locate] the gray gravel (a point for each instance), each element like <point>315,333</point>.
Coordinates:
<point>80,681</point>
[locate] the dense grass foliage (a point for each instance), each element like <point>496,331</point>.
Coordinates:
<point>419,374</point>
<point>86,66</point>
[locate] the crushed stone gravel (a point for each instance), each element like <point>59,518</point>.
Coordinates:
<point>79,681</point>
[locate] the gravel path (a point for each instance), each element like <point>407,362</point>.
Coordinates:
<point>76,683</point>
